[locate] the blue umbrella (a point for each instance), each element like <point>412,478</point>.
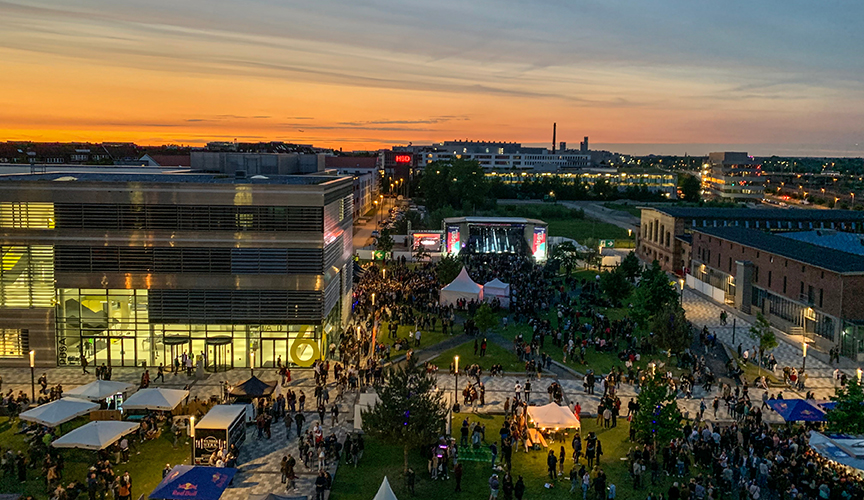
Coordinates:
<point>797,410</point>
<point>186,481</point>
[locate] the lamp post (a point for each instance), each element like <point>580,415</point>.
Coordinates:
<point>32,376</point>
<point>681,282</point>
<point>456,387</point>
<point>858,372</point>
<point>192,433</point>
<point>252,364</point>
<point>804,357</point>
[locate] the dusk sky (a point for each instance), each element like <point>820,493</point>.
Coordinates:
<point>662,76</point>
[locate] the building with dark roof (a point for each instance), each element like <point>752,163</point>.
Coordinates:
<point>130,269</point>
<point>661,226</point>
<point>801,287</point>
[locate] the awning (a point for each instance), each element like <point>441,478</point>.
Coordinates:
<point>100,389</point>
<point>253,388</point>
<point>186,481</point>
<point>796,410</point>
<point>155,399</point>
<point>95,435</point>
<point>56,412</point>
<point>175,340</point>
<point>221,340</point>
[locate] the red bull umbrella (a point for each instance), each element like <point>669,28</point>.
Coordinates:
<point>194,482</point>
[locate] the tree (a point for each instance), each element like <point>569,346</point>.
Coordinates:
<point>409,411</point>
<point>671,329</point>
<point>592,253</point>
<point>615,285</point>
<point>652,294</point>
<point>691,188</point>
<point>567,254</point>
<point>384,243</point>
<point>658,419</point>
<point>762,333</point>
<point>848,416</point>
<point>457,183</point>
<point>448,268</point>
<point>484,318</point>
<point>420,253</point>
<point>630,266</point>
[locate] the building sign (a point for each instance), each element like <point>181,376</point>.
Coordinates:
<point>403,159</point>
<point>538,245</point>
<point>453,243</point>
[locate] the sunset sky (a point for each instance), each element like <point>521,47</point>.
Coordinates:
<point>663,76</point>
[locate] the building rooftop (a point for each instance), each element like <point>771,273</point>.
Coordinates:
<point>174,177</point>
<point>829,238</point>
<point>800,251</point>
<point>492,220</point>
<point>760,213</point>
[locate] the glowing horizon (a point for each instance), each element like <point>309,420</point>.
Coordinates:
<point>334,74</point>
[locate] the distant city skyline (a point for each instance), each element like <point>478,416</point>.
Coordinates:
<point>663,76</point>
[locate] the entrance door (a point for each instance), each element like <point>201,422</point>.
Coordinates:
<point>122,351</point>
<point>100,350</point>
<point>272,350</point>
<point>218,357</point>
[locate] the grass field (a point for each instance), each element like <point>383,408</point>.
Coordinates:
<point>495,354</point>
<point>145,468</point>
<point>583,229</point>
<point>381,459</point>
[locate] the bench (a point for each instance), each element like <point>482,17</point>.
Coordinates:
<point>536,438</point>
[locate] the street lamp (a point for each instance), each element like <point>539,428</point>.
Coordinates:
<point>804,357</point>
<point>858,372</point>
<point>33,376</point>
<point>681,282</point>
<point>456,387</point>
<point>252,365</point>
<point>192,433</point>
<point>629,233</point>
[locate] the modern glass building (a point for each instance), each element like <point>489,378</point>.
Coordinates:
<point>128,269</point>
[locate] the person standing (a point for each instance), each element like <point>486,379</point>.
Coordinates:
<point>457,473</point>
<point>551,464</point>
<point>299,419</point>
<point>494,486</point>
<point>320,486</point>
<point>519,488</point>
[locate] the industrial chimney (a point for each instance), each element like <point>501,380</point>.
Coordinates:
<point>554,133</point>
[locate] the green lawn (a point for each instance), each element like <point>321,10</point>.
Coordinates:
<point>427,339</point>
<point>495,354</point>
<point>381,459</point>
<point>583,229</point>
<point>630,209</point>
<point>144,468</point>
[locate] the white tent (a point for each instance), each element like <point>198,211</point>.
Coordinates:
<point>552,416</point>
<point>56,412</point>
<point>95,435</point>
<point>463,287</point>
<point>155,399</point>
<point>99,389</point>
<point>497,289</point>
<point>385,492</point>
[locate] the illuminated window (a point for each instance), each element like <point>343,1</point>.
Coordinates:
<point>27,215</point>
<point>245,221</point>
<point>14,343</point>
<point>27,276</point>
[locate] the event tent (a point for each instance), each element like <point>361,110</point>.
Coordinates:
<point>99,390</point>
<point>553,416</point>
<point>155,399</point>
<point>56,412</point>
<point>797,410</point>
<point>96,435</point>
<point>497,289</point>
<point>385,492</point>
<point>195,482</point>
<point>253,388</point>
<point>463,287</point>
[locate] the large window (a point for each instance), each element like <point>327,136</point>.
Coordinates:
<point>27,276</point>
<point>27,215</point>
<point>14,343</point>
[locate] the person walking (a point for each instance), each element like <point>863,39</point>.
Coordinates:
<point>84,364</point>
<point>494,486</point>
<point>160,373</point>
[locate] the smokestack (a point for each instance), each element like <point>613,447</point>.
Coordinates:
<point>554,134</point>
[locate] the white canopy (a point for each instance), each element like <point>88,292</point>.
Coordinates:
<point>155,399</point>
<point>99,389</point>
<point>385,492</point>
<point>553,416</point>
<point>95,435</point>
<point>56,412</point>
<point>498,289</point>
<point>463,287</point>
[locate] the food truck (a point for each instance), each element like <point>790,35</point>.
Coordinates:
<point>221,427</point>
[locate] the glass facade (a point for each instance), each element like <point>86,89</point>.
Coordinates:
<point>113,327</point>
<point>26,276</point>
